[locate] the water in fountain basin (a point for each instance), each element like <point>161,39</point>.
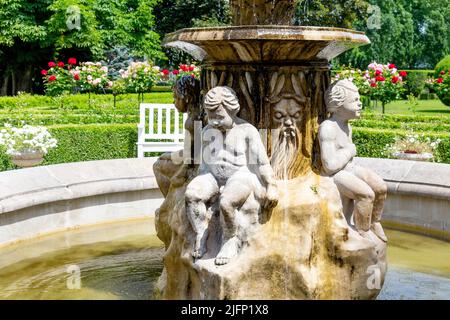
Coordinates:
<point>128,265</point>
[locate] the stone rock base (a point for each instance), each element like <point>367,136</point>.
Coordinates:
<point>306,250</point>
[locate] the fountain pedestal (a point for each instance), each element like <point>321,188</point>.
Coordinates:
<point>305,248</point>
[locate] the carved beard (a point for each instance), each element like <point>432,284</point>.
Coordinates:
<point>286,148</point>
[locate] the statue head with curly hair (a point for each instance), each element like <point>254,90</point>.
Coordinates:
<point>342,99</point>
<point>222,106</point>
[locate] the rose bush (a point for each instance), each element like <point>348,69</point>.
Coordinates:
<point>140,77</point>
<point>91,77</point>
<point>380,82</point>
<point>441,85</point>
<point>58,79</point>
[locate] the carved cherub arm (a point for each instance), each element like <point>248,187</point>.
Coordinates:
<point>333,159</point>
<point>258,157</point>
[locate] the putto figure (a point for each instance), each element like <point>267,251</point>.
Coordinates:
<point>234,167</point>
<point>355,183</point>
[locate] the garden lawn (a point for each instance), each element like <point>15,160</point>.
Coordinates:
<point>424,108</point>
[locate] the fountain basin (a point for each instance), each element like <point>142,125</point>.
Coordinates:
<point>49,199</point>
<point>123,261</point>
<point>268,44</point>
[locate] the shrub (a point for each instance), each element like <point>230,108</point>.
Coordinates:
<point>87,142</point>
<point>443,65</point>
<point>441,85</point>
<point>371,143</point>
<point>417,81</point>
<point>81,101</point>
<point>379,82</point>
<point>416,126</point>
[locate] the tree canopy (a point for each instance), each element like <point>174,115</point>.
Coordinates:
<point>330,13</point>
<point>33,32</point>
<point>412,33</point>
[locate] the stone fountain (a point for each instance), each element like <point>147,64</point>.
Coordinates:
<point>301,221</point>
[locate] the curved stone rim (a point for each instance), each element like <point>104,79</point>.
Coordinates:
<point>261,33</point>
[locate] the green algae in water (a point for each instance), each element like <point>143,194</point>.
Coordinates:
<point>125,267</point>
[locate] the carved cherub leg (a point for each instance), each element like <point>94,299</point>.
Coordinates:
<point>199,191</point>
<point>380,189</point>
<point>354,188</point>
<point>236,191</point>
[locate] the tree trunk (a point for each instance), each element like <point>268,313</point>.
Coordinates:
<point>383,105</point>
<point>24,80</point>
<point>13,83</point>
<point>4,87</point>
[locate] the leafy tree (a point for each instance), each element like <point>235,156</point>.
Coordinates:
<point>33,32</point>
<point>330,13</point>
<point>413,34</point>
<point>173,15</point>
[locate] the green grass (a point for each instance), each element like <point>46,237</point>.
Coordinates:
<point>424,108</point>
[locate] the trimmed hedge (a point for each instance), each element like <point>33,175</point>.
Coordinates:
<point>371,143</point>
<point>101,142</point>
<point>415,126</point>
<point>81,101</point>
<point>406,118</point>
<point>87,142</point>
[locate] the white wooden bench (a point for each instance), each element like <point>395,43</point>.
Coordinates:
<point>166,135</point>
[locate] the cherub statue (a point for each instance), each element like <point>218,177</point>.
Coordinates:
<point>362,185</point>
<point>187,100</point>
<point>234,167</point>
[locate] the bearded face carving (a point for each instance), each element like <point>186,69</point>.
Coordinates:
<point>286,138</point>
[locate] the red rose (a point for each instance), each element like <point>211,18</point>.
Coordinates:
<point>380,78</point>
<point>165,72</point>
<point>373,85</point>
<point>442,72</point>
<point>76,77</point>
<point>392,66</point>
<point>191,68</point>
<point>440,80</point>
<point>403,74</point>
<point>175,72</point>
<point>44,72</point>
<point>395,79</point>
<point>448,71</point>
<point>184,68</point>
<point>378,73</point>
<point>72,61</point>
<point>51,64</point>
<point>52,78</point>
<point>61,64</point>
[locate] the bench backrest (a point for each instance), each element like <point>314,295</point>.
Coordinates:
<point>161,122</point>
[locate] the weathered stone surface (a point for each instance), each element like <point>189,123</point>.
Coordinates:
<point>268,44</point>
<point>305,250</point>
<point>363,192</point>
<point>305,247</point>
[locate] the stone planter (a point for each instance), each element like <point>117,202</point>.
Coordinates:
<point>28,158</point>
<point>413,156</point>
